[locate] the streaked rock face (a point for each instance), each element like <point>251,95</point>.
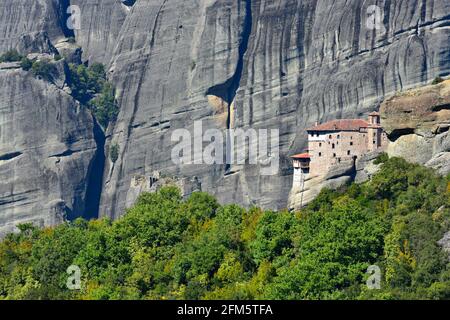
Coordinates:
<point>100,24</point>
<point>262,64</point>
<point>47,149</point>
<point>30,26</point>
<point>266,64</point>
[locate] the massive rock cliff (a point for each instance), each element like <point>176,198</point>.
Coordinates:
<point>47,149</point>
<point>262,64</point>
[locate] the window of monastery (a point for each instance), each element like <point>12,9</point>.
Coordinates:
<point>320,154</point>
<point>348,152</point>
<point>332,146</point>
<point>334,155</point>
<point>320,144</point>
<point>329,137</point>
<point>351,143</point>
<point>338,136</point>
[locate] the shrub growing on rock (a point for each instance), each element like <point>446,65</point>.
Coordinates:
<point>114,152</point>
<point>437,80</point>
<point>26,64</point>
<point>11,56</point>
<point>44,69</point>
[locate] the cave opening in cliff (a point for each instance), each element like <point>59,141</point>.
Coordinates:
<point>397,133</point>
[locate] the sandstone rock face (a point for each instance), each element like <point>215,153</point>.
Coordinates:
<point>417,122</point>
<point>47,149</point>
<point>261,64</point>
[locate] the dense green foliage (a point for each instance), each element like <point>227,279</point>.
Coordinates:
<point>86,82</point>
<point>169,248</point>
<point>104,106</point>
<point>90,87</point>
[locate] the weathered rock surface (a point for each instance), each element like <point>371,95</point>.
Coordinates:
<point>100,25</point>
<point>47,149</point>
<point>169,55</point>
<point>360,171</point>
<point>31,26</point>
<point>417,122</point>
<point>260,64</point>
<point>71,52</point>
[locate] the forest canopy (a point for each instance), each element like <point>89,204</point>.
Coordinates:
<point>167,247</point>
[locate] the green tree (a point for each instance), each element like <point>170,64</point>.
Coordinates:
<point>44,69</point>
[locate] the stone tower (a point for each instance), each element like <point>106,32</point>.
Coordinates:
<point>374,132</point>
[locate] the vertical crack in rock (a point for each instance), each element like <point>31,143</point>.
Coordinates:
<point>95,174</point>
<point>227,90</point>
<point>64,17</point>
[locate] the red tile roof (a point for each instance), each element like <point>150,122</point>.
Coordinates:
<point>341,125</point>
<point>301,156</point>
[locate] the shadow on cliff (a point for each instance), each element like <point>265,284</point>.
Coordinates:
<point>94,187</point>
